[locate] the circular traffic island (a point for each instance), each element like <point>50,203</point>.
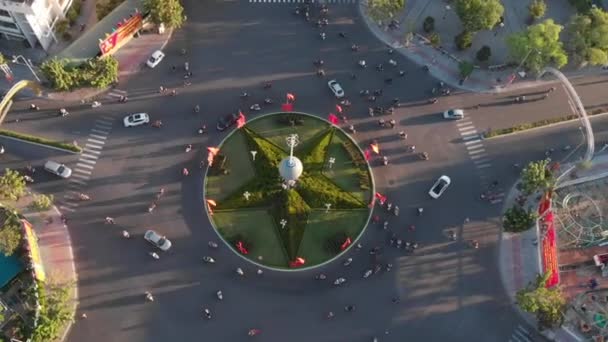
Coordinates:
<point>289,191</point>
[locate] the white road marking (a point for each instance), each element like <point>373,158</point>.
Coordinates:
<point>93,146</point>
<point>96,141</point>
<point>484,166</point>
<point>88,150</point>
<point>472,142</point>
<point>77,181</point>
<point>85,177</point>
<point>96,136</point>
<point>62,207</point>
<point>87,161</point>
<point>86,166</point>
<point>99,131</point>
<point>86,172</point>
<point>470,137</point>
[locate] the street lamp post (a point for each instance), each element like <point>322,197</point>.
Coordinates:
<point>27,63</point>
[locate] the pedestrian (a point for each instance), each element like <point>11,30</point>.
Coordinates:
<point>393,123</point>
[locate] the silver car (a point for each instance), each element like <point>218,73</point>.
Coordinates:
<point>336,88</point>
<point>159,241</point>
<point>58,169</point>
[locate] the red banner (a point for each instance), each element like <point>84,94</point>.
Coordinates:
<point>549,245</point>
<point>123,32</point>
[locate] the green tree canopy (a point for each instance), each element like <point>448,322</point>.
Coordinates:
<point>168,12</point>
<point>518,219</point>
<point>383,9</point>
<point>12,185</point>
<point>587,39</point>
<point>546,304</point>
<point>536,176</point>
<point>537,9</point>
<point>55,312</point>
<point>477,15</point>
<point>539,45</point>
<point>10,232</point>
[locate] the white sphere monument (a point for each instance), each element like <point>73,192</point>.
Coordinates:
<point>290,168</point>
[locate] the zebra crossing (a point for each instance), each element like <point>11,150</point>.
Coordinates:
<point>327,2</point>
<point>473,141</point>
<point>85,165</point>
<point>521,334</point>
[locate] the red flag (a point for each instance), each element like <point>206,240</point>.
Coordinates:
<point>381,198</point>
<point>290,97</point>
<point>211,154</point>
<point>346,244</point>
<point>368,154</point>
<point>287,107</point>
<point>333,118</point>
<point>299,261</point>
<point>375,147</point>
<point>338,109</point>
<point>210,204</point>
<point>240,122</point>
<point>241,247</point>
<point>213,150</point>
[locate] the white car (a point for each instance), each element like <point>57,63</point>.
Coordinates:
<point>159,241</point>
<point>439,187</point>
<point>58,169</point>
<point>156,58</point>
<point>136,119</point>
<point>336,88</point>
<point>454,114</point>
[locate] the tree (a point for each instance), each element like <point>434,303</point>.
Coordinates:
<point>55,71</point>
<point>55,312</point>
<point>477,15</point>
<point>12,185</point>
<point>382,9</point>
<point>10,232</point>
<point>587,38</point>
<point>167,12</point>
<point>42,202</point>
<point>464,40</point>
<point>538,46</point>
<point>428,25</point>
<point>536,176</point>
<point>435,39</point>
<point>465,68</point>
<point>104,72</point>
<point>484,53</point>
<point>517,219</point>
<point>537,9</point>
<point>582,6</point>
<point>546,303</point>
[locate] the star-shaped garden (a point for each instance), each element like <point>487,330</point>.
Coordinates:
<point>302,225</point>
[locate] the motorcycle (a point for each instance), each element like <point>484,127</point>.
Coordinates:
<point>320,276</point>
<point>96,104</point>
<point>256,107</point>
<point>125,234</point>
<point>364,92</point>
<point>212,244</point>
<point>388,267</point>
<point>424,156</point>
<point>318,62</point>
<point>339,281</point>
<point>384,160</point>
<point>433,101</point>
<point>209,260</point>
<point>322,35</point>
<point>362,63</point>
<point>354,48</point>
<point>34,107</point>
<point>367,273</point>
<point>185,172</point>
<point>267,101</point>
<point>154,255</point>
<point>124,99</point>
<point>188,148</point>
<point>28,179</point>
<point>149,296</point>
<point>207,313</point>
<point>347,262</point>
<point>197,108</point>
<point>83,197</point>
<point>219,295</point>
<point>240,272</point>
<point>392,62</point>
<point>345,103</point>
<point>157,124</point>
<point>63,112</point>
<point>420,211</point>
<point>267,85</point>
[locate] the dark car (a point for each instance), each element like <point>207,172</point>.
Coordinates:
<point>226,122</point>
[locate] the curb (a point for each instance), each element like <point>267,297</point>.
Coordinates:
<point>541,127</point>
<point>38,144</point>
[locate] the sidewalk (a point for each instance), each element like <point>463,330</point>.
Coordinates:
<point>519,254</point>
<point>443,65</point>
<point>55,247</point>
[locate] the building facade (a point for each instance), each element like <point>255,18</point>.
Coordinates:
<point>32,20</point>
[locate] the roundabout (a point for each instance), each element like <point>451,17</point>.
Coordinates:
<point>289,191</point>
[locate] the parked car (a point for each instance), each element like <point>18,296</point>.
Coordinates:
<point>58,169</point>
<point>336,88</point>
<point>439,187</point>
<point>136,119</point>
<point>157,57</point>
<point>159,241</point>
<point>454,114</point>
<point>226,121</point>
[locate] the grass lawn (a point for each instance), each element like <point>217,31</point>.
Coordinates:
<point>322,226</point>
<point>270,129</point>
<point>344,172</point>
<point>240,166</point>
<point>258,228</point>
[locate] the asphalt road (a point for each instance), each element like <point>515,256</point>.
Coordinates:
<point>447,291</point>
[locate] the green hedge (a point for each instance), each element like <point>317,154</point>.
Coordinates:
<point>39,140</point>
<point>96,72</point>
<point>529,125</point>
<point>320,190</point>
<point>315,150</point>
<point>291,207</point>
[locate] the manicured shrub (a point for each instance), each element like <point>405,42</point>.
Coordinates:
<point>484,53</point>
<point>428,25</point>
<point>96,72</point>
<point>39,140</point>
<point>320,190</point>
<point>464,40</point>
<point>292,208</point>
<point>435,39</point>
<point>315,150</point>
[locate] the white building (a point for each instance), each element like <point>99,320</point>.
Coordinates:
<point>32,20</point>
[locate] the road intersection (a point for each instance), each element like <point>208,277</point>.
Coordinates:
<point>446,291</point>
